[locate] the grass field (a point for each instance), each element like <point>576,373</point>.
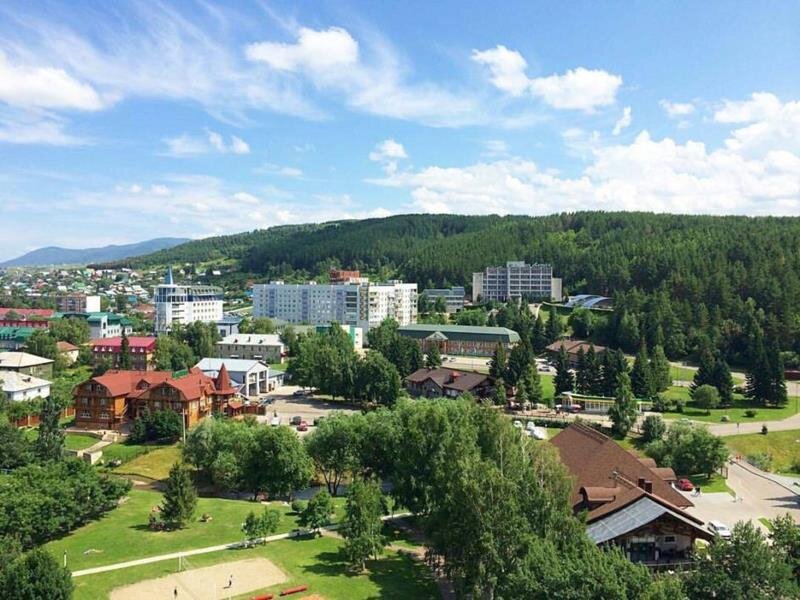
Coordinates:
<point>127,452</point>
<point>782,446</point>
<point>154,464</point>
<point>279,366</point>
<point>736,413</point>
<point>716,483</point>
<point>317,563</point>
<point>72,441</point>
<point>548,389</point>
<point>123,534</point>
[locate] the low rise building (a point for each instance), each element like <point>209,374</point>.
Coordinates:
<point>629,502</point>
<point>228,325</point>
<point>266,347</point>
<point>27,364</point>
<point>573,349</point>
<point>448,383</point>
<point>112,400</point>
<point>453,297</point>
<point>252,378</point>
<point>15,338</point>
<point>19,386</point>
<point>461,339</point>
<point>142,351</point>
<point>102,324</point>
<point>68,351</point>
<point>36,318</point>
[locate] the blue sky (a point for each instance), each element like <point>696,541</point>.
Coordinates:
<point>126,121</point>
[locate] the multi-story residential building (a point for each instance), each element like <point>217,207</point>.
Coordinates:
<point>266,347</point>
<point>77,303</point>
<point>25,317</point>
<point>362,305</point>
<point>453,297</point>
<point>185,304</point>
<point>516,280</point>
<point>142,352</point>
<point>102,324</point>
<point>111,400</point>
<point>27,364</point>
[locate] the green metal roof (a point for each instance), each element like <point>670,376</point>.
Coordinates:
<point>17,334</point>
<point>457,333</point>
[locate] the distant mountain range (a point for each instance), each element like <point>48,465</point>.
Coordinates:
<point>53,255</point>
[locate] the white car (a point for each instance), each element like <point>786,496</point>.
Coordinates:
<point>719,528</point>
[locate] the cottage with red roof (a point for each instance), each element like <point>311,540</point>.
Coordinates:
<point>142,351</point>
<point>629,502</point>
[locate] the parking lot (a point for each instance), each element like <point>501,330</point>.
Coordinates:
<point>285,405</point>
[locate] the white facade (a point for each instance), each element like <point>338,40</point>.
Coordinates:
<point>19,386</point>
<point>361,305</point>
<point>516,280</point>
<point>185,304</point>
<point>267,347</point>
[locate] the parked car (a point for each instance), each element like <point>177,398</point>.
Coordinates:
<point>302,426</point>
<point>685,485</point>
<point>299,393</point>
<point>275,421</point>
<point>720,529</point>
<point>295,420</point>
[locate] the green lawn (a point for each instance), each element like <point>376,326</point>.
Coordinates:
<point>548,389</point>
<point>681,373</point>
<point>123,534</point>
<point>154,464</point>
<point>72,441</point>
<point>279,366</point>
<point>736,413</point>
<point>782,446</point>
<point>716,483</point>
<point>127,451</point>
<point>316,562</point>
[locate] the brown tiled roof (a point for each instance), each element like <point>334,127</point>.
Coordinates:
<point>595,460</point>
<point>666,473</point>
<point>65,347</point>
<point>223,382</point>
<point>573,346</point>
<point>453,379</point>
<point>648,462</point>
<point>125,383</point>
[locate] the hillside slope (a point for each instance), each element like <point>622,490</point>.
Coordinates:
<point>54,255</point>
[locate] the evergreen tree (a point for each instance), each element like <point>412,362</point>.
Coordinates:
<point>614,364</point>
<point>705,371</point>
<point>594,372</point>
<point>497,366</point>
<point>533,385</point>
<point>433,358</point>
<point>777,383</point>
<point>519,360</point>
<point>539,338</point>
<point>563,380</point>
<point>125,362</point>
<point>522,396</point>
<point>499,397</point>
<point>642,383</point>
<point>180,497</point>
<point>623,412</point>
<point>582,383</point>
<point>660,369</point>
<point>555,328</point>
<point>723,381</point>
<point>50,442</point>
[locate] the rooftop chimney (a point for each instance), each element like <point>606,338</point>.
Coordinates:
<point>648,486</point>
<point>641,482</point>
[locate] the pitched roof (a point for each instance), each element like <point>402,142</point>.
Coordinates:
<point>19,360</point>
<point>253,339</point>
<point>223,382</point>
<point>574,346</point>
<point>595,460</point>
<point>114,344</point>
<point>454,379</point>
<point>66,347</point>
<point>235,365</point>
<point>27,313</point>
<point>126,383</point>
<point>461,332</point>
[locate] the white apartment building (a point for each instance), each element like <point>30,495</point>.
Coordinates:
<point>361,305</point>
<point>516,280</point>
<point>185,304</point>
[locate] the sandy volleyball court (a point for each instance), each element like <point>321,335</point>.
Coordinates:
<point>206,583</point>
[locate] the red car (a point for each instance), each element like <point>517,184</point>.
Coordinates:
<point>685,485</point>
<point>302,426</point>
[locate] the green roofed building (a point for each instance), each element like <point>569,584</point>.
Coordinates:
<point>14,338</point>
<point>460,339</point>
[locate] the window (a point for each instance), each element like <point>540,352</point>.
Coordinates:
<point>669,538</point>
<point>86,414</point>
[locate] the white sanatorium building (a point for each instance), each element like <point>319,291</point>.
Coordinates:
<point>516,280</point>
<point>362,305</point>
<point>185,304</point>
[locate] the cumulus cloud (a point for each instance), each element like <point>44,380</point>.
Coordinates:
<point>192,145</point>
<point>388,149</point>
<point>577,89</point>
<point>739,177</point>
<point>766,124</point>
<point>623,122</point>
<point>677,110</point>
<point>317,51</point>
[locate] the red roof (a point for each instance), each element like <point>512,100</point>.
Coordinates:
<point>27,313</point>
<point>130,383</point>
<point>65,347</point>
<point>114,344</point>
<point>223,382</point>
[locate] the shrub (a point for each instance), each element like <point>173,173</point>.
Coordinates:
<point>653,428</point>
<point>298,506</point>
<point>750,413</point>
<point>760,460</point>
<point>764,430</point>
<point>725,418</point>
<point>679,404</point>
<point>162,425</point>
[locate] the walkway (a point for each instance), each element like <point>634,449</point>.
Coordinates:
<point>723,429</point>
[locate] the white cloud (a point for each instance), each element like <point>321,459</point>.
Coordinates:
<point>623,122</point>
<point>191,145</point>
<point>507,68</point>
<point>22,126</point>
<point>676,110</point>
<point>317,51</point>
<point>388,149</point>
<point>270,168</point>
<point>578,89</point>
<point>495,148</point>
<point>767,124</point>
<point>739,177</point>
<point>372,79</point>
<point>45,87</point>
<point>760,106</point>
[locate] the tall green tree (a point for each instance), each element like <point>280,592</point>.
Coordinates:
<point>705,370</point>
<point>623,412</point>
<point>180,497</point>
<point>35,575</point>
<point>555,328</point>
<point>318,512</point>
<point>433,358</point>
<point>723,381</point>
<point>256,527</point>
<point>539,335</point>
<point>642,382</point>
<point>377,380</point>
<point>563,380</point>
<point>362,525</point>
<point>50,441</point>
<point>660,369</point>
<point>335,446</point>
<point>276,462</point>
<point>707,397</point>
<point>594,372</point>
<point>582,383</point>
<point>519,359</point>
<point>614,364</point>
<point>125,360</point>
<point>497,364</point>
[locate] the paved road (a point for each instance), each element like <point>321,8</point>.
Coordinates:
<point>723,429</point>
<point>758,497</point>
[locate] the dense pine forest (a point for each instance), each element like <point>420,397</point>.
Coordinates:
<point>681,280</point>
